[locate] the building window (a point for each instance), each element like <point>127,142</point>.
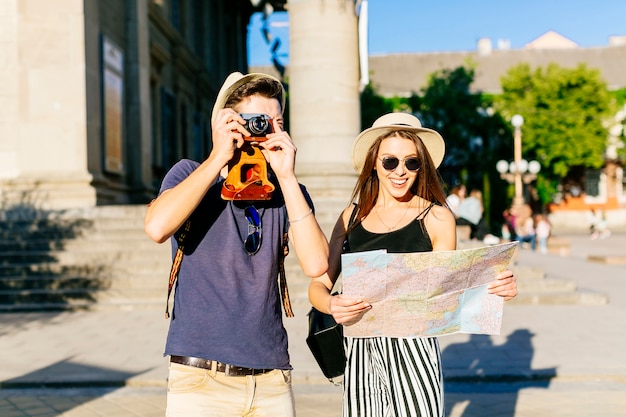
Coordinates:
<point>592,182</point>
<point>113,106</point>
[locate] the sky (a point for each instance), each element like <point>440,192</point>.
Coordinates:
<point>413,26</point>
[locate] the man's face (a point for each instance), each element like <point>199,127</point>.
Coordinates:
<point>264,105</point>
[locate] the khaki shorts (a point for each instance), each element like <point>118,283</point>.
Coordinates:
<point>199,392</point>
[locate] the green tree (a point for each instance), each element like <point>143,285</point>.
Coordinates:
<point>472,130</point>
<point>447,105</point>
<point>564,110</point>
<point>372,106</point>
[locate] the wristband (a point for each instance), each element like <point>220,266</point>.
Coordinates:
<point>303,217</point>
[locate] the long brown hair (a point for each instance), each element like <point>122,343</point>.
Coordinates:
<point>427,185</point>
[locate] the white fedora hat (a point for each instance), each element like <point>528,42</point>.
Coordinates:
<point>392,122</point>
<point>232,83</point>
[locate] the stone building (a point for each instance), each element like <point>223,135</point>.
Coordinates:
<point>100,97</point>
<point>403,74</point>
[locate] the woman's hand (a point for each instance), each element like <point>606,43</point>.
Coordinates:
<point>347,311</point>
<point>505,285</point>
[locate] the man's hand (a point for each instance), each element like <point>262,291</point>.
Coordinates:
<point>227,134</point>
<point>280,151</point>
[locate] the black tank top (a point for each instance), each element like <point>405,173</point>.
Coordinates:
<point>411,238</point>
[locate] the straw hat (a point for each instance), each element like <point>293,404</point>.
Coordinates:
<point>232,83</point>
<point>393,122</point>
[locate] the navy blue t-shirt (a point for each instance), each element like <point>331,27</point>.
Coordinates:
<point>227,303</point>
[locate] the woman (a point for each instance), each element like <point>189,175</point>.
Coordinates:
<point>454,199</point>
<point>470,213</point>
<point>400,206</point>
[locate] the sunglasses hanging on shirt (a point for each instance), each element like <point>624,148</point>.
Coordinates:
<point>252,242</point>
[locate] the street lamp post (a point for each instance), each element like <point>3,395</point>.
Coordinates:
<point>520,170</point>
<point>517,121</point>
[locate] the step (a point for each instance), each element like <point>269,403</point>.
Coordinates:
<point>561,298</point>
<point>130,305</point>
<point>609,260</point>
<point>111,301</point>
<point>100,242</point>
<point>128,265</point>
<point>85,255</point>
<point>138,280</point>
<point>82,296</point>
<point>528,272</point>
<point>546,285</point>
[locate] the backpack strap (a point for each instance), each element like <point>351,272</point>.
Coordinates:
<point>282,279</point>
<point>178,259</point>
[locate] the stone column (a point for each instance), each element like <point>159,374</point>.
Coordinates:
<point>42,105</point>
<point>138,124</point>
<point>324,99</point>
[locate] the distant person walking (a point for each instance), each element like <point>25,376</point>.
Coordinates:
<point>525,227</point>
<point>470,213</point>
<point>457,194</point>
<point>508,227</point>
<point>543,229</point>
<point>597,225</point>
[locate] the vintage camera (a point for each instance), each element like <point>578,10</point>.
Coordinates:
<point>259,125</point>
<point>247,177</point>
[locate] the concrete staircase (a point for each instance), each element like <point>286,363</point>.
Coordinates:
<point>535,287</point>
<point>93,259</point>
<point>87,259</point>
<point>100,258</point>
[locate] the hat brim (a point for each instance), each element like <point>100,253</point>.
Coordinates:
<point>433,142</point>
<point>232,83</point>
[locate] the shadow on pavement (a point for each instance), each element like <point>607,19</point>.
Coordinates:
<point>66,374</point>
<point>478,367</point>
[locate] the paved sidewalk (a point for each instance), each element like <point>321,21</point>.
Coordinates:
<point>550,360</point>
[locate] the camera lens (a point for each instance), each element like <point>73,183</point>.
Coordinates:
<point>257,125</point>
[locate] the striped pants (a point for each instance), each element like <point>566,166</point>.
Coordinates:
<point>388,377</point>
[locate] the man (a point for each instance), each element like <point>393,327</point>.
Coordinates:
<point>227,344</point>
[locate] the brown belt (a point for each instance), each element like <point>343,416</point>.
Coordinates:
<point>228,370</point>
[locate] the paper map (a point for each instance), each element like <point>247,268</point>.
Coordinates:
<point>426,293</point>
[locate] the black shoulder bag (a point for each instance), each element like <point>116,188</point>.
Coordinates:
<point>325,339</point>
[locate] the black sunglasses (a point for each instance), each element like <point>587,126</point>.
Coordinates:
<point>390,163</point>
<point>252,244</point>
